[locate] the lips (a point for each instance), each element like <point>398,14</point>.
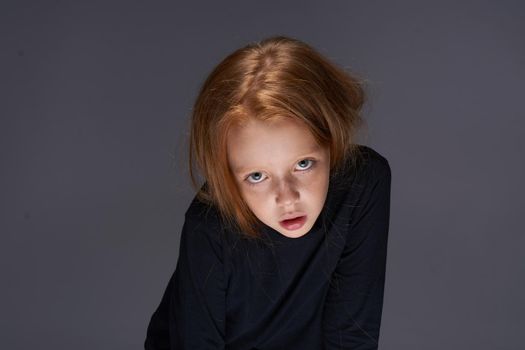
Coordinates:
<point>292,215</point>
<point>293,221</point>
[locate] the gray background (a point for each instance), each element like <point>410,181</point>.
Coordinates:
<point>95,99</point>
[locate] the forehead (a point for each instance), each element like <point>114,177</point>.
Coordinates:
<point>260,143</point>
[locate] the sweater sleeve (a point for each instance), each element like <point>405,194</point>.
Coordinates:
<point>191,314</point>
<point>353,307</point>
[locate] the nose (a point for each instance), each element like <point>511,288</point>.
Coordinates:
<point>287,193</point>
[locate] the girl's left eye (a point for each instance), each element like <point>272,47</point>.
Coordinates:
<point>305,164</point>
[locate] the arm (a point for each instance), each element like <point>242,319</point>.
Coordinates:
<point>191,314</point>
<point>353,307</point>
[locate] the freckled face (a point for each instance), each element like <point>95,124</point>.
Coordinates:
<point>282,173</point>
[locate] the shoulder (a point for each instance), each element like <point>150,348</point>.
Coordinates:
<point>365,165</point>
<point>200,210</point>
<point>202,222</point>
<point>372,164</point>
<point>361,179</point>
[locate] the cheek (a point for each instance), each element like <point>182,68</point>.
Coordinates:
<point>316,182</point>
<point>318,188</point>
<point>316,195</point>
<point>257,200</point>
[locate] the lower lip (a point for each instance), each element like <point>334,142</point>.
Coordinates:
<point>293,224</point>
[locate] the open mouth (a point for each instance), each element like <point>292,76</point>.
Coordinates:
<point>293,224</point>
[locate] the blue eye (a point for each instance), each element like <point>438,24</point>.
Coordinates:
<point>305,164</point>
<point>257,176</point>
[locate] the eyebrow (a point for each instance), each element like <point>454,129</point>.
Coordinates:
<point>315,149</point>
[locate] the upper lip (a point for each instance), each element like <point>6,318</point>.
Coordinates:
<point>292,215</point>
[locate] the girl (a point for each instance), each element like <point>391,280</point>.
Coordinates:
<point>284,245</point>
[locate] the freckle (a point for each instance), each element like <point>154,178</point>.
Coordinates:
<point>27,215</point>
<point>20,52</point>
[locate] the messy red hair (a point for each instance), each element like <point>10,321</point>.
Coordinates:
<point>275,78</point>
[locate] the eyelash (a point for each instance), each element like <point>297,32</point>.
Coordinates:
<point>312,164</point>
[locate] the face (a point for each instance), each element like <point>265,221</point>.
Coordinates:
<point>282,173</point>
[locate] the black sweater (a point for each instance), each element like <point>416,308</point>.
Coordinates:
<point>323,290</point>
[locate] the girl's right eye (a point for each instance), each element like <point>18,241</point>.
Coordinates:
<point>255,178</point>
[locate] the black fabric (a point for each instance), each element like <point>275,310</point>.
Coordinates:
<point>323,290</point>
